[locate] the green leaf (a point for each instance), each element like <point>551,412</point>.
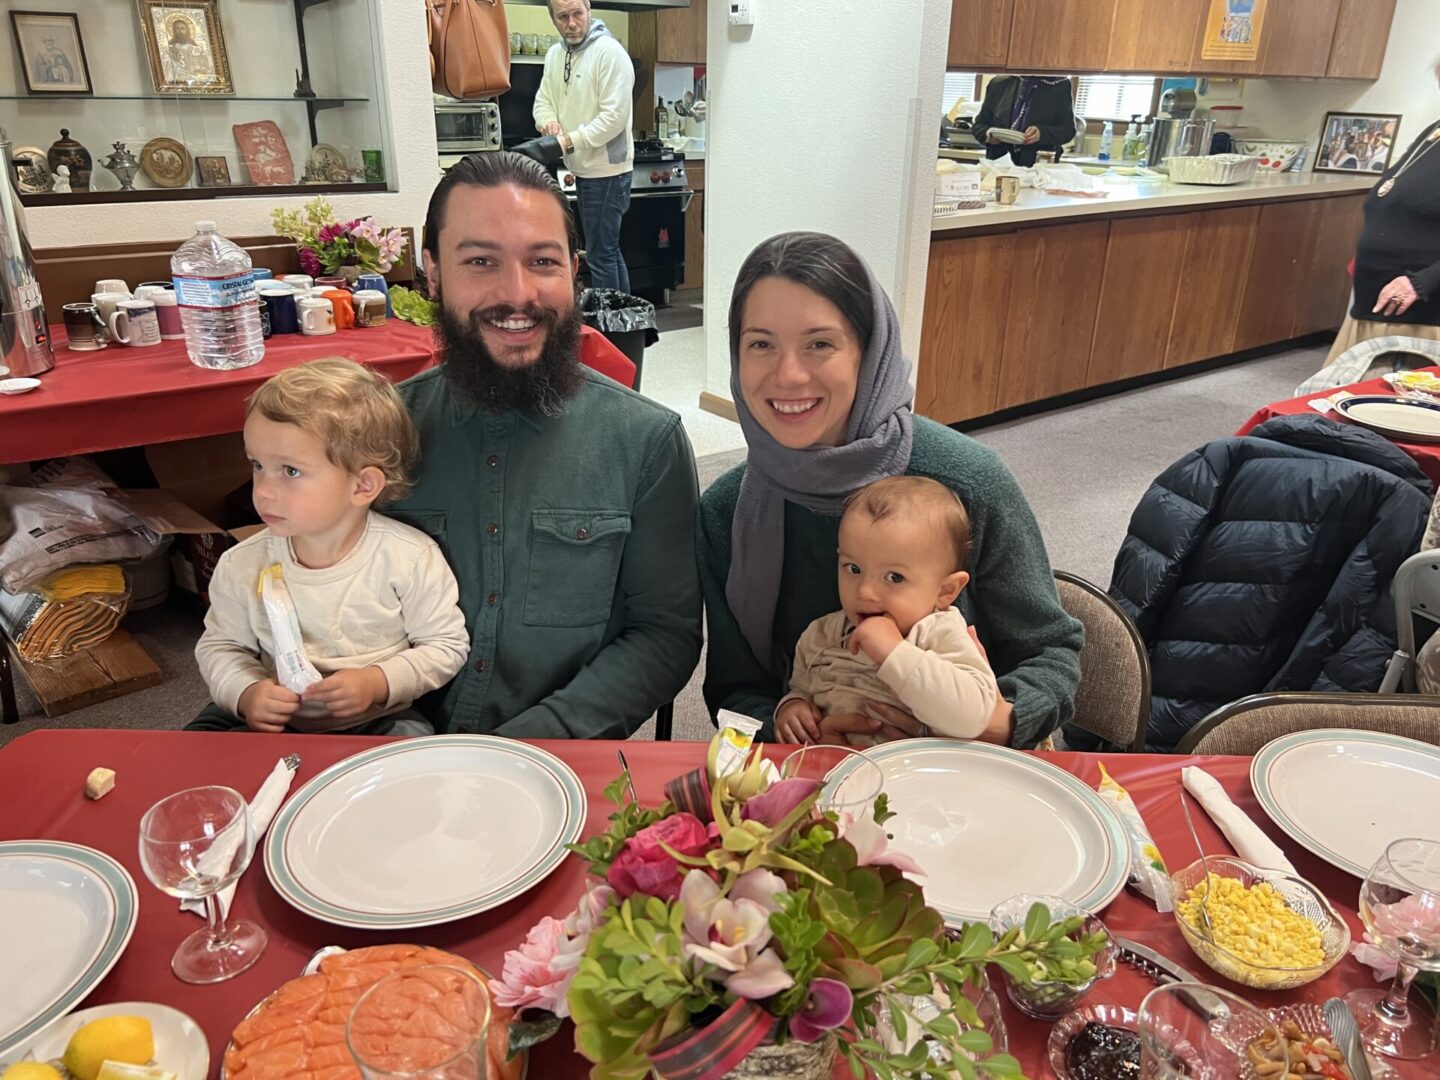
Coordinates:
<point>897,1019</point>
<point>882,812</point>
<point>527,1033</point>
<point>975,941</point>
<point>1014,967</point>
<point>921,953</point>
<point>1002,1065</point>
<point>976,1041</point>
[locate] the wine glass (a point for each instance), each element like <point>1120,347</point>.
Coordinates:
<point>1400,906</point>
<point>410,1001</point>
<point>1199,1032</point>
<point>850,781</point>
<point>193,845</point>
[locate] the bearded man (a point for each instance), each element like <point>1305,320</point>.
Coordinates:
<point>564,502</point>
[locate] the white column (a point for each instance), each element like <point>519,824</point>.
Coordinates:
<point>823,116</point>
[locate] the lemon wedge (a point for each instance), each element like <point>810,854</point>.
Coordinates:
<point>121,1070</point>
<point>124,1039</point>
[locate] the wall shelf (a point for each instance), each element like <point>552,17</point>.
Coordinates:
<point>229,191</point>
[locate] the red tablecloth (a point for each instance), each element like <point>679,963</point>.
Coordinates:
<point>120,397</point>
<point>1426,455</point>
<point>42,775</point>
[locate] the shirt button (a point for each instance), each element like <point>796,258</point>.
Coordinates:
<point>480,665</point>
<point>492,460</point>
<point>581,534</point>
<point>493,599</point>
<point>492,528</point>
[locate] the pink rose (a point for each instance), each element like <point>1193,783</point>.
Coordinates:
<point>644,867</point>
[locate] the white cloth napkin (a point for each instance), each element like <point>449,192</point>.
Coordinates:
<point>1249,842</point>
<point>263,807</point>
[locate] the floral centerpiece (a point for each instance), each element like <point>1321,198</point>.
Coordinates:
<point>346,249</point>
<point>738,918</point>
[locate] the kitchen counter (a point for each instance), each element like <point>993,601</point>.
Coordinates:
<point>1151,197</point>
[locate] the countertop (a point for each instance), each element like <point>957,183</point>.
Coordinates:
<point>1036,206</point>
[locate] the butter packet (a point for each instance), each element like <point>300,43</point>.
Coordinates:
<point>731,746</point>
<point>1148,873</point>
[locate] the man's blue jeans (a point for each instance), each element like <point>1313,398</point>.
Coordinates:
<point>603,203</point>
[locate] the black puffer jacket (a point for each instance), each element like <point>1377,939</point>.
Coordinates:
<point>1265,562</point>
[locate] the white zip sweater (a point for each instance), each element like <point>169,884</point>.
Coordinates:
<point>594,107</point>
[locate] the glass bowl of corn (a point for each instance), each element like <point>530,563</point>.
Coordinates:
<point>1266,929</point>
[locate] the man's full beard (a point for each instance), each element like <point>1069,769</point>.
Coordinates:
<point>478,379</point>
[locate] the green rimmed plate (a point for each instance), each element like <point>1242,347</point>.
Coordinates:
<point>986,823</point>
<point>424,831</point>
<point>71,910</point>
<point>1345,795</point>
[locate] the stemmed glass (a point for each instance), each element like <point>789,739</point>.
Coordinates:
<point>193,845</point>
<point>850,781</point>
<point>422,1023</point>
<point>1400,905</point>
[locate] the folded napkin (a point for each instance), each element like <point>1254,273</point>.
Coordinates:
<point>1244,835</point>
<point>262,811</point>
<point>1326,405</point>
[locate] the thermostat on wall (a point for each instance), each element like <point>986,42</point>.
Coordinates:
<point>742,12</point>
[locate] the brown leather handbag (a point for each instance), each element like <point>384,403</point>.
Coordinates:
<point>469,48</point>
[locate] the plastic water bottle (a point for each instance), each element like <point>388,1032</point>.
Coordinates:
<point>219,310</point>
<point>1107,140</point>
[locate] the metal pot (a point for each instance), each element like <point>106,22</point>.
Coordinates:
<point>1179,138</point>
<point>24,337</point>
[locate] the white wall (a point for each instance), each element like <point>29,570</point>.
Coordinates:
<point>1295,109</point>
<point>822,121</point>
<point>392,71</point>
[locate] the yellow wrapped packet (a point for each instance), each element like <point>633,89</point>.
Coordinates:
<point>1148,873</point>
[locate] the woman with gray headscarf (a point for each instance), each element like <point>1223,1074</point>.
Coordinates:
<point>823,394</point>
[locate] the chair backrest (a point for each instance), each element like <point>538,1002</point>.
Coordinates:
<point>1113,699</point>
<point>1417,607</point>
<point>1244,726</point>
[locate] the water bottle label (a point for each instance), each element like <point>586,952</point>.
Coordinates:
<point>226,292</point>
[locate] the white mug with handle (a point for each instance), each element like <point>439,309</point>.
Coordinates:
<point>141,327</point>
<point>317,316</point>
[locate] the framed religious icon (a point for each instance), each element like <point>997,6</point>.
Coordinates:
<point>52,54</point>
<point>212,171</point>
<point>185,46</point>
<point>1356,143</point>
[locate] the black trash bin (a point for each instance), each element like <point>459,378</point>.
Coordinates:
<point>628,321</point>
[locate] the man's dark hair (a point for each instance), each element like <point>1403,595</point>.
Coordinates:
<point>494,168</point>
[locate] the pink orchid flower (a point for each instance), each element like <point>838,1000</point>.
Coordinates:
<point>731,932</point>
<point>827,1006</point>
<point>872,843</point>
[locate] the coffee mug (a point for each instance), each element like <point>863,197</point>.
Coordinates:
<point>112,284</point>
<point>84,328</point>
<point>134,323</point>
<point>167,313</point>
<point>344,305</point>
<point>331,282</point>
<point>317,316</point>
<point>283,316</point>
<point>369,307</point>
<point>148,291</point>
<point>168,286</point>
<point>106,303</point>
<point>297,281</point>
<point>259,273</point>
<point>377,283</point>
<point>1007,188</point>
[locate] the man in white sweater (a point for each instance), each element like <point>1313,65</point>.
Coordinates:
<point>584,102</point>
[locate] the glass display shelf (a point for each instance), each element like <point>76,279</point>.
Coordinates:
<point>210,99</point>
<point>228,191</point>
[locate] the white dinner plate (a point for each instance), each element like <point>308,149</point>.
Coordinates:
<point>180,1044</point>
<point>424,831</point>
<point>1346,795</point>
<point>1406,419</point>
<point>1007,135</point>
<point>66,915</point>
<point>986,822</point>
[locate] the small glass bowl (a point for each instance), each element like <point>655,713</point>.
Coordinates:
<point>1072,1023</point>
<point>1050,1000</point>
<point>1300,896</point>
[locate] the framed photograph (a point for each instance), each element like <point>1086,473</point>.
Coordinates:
<point>212,172</point>
<point>1356,142</point>
<point>185,46</point>
<point>52,53</point>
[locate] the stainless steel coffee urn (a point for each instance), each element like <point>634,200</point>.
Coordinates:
<point>24,336</point>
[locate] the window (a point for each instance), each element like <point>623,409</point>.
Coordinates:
<point>1115,97</point>
<point>959,84</point>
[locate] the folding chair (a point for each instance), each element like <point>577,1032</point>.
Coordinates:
<point>1417,616</point>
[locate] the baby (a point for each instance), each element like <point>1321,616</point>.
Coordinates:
<point>903,546</point>
<point>376,602</point>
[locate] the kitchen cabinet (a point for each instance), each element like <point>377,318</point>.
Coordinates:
<point>1275,280</point>
<point>967,307</point>
<point>1362,30</point>
<point>1213,270</point>
<point>1054,296</point>
<point>1137,297</point>
<point>1061,35</point>
<point>695,228</point>
<point>1154,35</point>
<point>1322,302</point>
<point>980,33</point>
<point>681,34</point>
<point>1296,40</point>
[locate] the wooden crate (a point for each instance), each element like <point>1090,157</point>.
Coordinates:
<point>115,667</point>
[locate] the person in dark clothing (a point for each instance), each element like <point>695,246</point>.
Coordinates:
<point>1038,105</point>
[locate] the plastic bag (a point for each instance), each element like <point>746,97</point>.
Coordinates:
<point>293,669</point>
<point>69,611</point>
<point>57,526</point>
<point>614,311</point>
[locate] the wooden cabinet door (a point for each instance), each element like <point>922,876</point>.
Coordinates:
<point>1324,286</point>
<point>979,33</point>
<point>1298,37</point>
<point>1061,35</point>
<point>1137,297</point>
<point>1212,277</point>
<point>682,34</point>
<point>1055,292</point>
<point>1154,35</point>
<point>1281,258</point>
<point>967,306</point>
<point>1362,30</point>
<point>695,243</point>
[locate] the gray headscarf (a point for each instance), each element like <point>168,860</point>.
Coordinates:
<point>878,438</point>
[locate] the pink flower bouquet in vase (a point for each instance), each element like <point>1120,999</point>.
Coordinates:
<point>738,930</point>
<point>346,249</point>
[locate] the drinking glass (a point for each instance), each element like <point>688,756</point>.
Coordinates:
<point>1400,906</point>
<point>1199,1032</point>
<point>394,1030</point>
<point>193,845</point>
<point>849,780</point>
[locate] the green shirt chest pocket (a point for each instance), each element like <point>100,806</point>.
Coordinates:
<point>574,563</point>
